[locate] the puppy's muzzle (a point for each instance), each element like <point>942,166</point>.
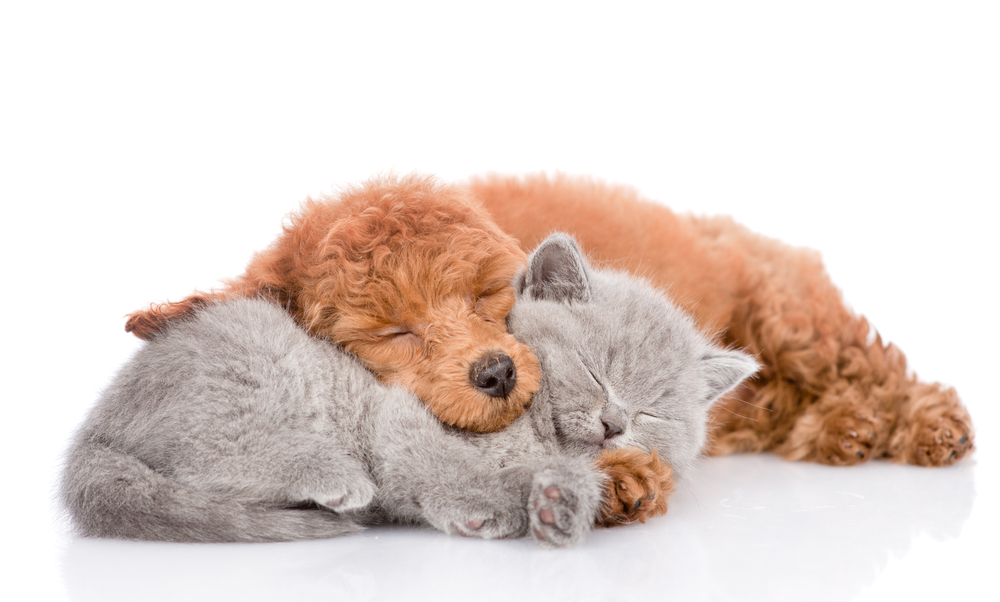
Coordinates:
<point>494,374</point>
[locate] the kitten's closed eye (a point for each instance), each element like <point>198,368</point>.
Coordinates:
<point>597,381</point>
<point>646,417</point>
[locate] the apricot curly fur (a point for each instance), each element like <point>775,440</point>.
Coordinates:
<point>410,275</point>
<point>637,488</point>
<point>829,390</point>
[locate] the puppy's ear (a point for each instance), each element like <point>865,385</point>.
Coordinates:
<point>723,370</point>
<point>557,271</point>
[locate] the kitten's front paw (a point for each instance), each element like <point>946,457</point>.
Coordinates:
<point>349,496</point>
<point>496,514</point>
<point>637,488</point>
<point>561,507</point>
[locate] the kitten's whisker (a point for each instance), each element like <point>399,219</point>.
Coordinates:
<point>738,415</point>
<point>741,389</point>
<point>753,405</point>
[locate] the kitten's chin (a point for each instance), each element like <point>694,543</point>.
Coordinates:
<point>620,442</point>
<point>588,447</point>
<point>595,445</point>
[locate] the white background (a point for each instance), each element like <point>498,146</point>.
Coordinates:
<point>147,149</point>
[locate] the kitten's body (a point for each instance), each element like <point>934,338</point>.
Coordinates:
<point>235,425</point>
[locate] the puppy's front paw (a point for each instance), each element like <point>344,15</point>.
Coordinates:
<point>562,506</point>
<point>637,487</point>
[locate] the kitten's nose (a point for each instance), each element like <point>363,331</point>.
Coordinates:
<point>611,429</point>
<point>494,374</point>
<point>613,419</point>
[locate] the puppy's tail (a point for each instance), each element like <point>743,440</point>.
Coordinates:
<point>112,494</point>
<point>146,323</point>
<point>267,277</point>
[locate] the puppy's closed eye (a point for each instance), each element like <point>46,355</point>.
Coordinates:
<point>397,334</point>
<point>494,305</point>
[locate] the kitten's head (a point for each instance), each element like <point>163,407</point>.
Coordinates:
<point>621,365</point>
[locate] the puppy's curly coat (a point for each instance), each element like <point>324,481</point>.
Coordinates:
<point>829,390</point>
<point>411,276</point>
<point>414,278</point>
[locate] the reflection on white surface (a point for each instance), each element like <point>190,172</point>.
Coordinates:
<point>747,527</point>
<point>148,152</point>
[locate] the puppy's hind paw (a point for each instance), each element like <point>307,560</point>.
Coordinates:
<point>849,436</point>
<point>942,441</point>
<point>936,428</point>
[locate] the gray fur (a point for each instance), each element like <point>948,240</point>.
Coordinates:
<point>236,425</point>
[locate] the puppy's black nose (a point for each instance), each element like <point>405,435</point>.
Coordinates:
<point>494,374</point>
<point>611,429</point>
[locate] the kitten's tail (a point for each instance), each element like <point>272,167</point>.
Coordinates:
<point>112,494</point>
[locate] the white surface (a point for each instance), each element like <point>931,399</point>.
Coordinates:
<point>147,152</point>
<point>749,528</point>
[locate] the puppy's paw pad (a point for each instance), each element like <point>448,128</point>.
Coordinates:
<point>848,437</point>
<point>638,486</point>
<point>942,441</point>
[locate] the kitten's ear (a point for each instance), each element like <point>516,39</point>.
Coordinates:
<point>557,271</point>
<point>723,370</point>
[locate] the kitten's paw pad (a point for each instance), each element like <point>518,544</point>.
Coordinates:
<point>485,528</point>
<point>638,486</point>
<point>848,437</point>
<point>942,440</point>
<point>558,508</point>
<point>346,499</point>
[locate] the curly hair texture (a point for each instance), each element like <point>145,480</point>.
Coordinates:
<point>829,389</point>
<point>410,275</point>
<point>637,488</point>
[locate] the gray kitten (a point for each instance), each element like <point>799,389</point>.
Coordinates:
<point>236,425</point>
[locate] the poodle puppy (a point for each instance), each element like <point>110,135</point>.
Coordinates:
<point>829,390</point>
<point>411,276</point>
<point>414,278</point>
